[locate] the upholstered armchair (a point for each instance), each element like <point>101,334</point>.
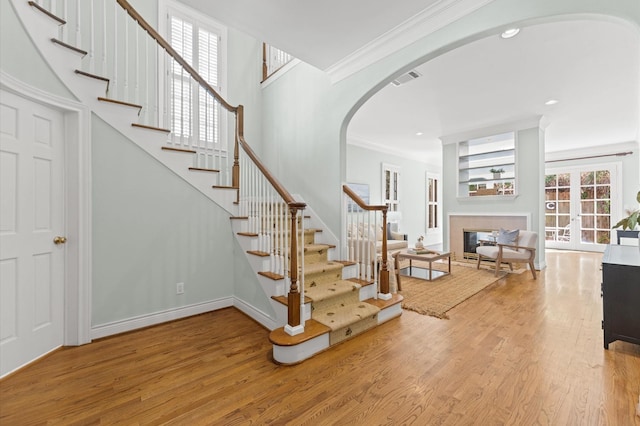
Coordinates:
<point>510,248</point>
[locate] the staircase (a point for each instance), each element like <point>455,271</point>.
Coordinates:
<point>328,303</point>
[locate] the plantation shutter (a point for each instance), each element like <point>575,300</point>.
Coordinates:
<point>194,113</point>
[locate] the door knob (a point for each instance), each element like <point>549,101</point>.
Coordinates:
<point>60,240</point>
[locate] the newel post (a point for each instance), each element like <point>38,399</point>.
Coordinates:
<point>384,294</point>
<point>294,325</point>
<point>235,172</point>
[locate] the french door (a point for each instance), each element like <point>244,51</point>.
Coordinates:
<point>579,204</point>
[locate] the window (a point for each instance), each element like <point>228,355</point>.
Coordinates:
<point>433,183</point>
<point>194,114</point>
<point>391,187</point>
<point>486,166</point>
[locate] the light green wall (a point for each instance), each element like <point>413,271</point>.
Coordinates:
<point>305,116</point>
<point>365,166</point>
<point>151,230</point>
<point>244,64</point>
<point>21,60</point>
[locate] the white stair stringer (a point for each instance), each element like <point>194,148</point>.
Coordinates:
<point>64,62</point>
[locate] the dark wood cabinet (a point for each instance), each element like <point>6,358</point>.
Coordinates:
<point>621,294</point>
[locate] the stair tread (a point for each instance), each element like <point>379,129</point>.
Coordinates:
<point>317,247</point>
<point>70,47</point>
<point>339,316</point>
<point>170,148</point>
<point>147,127</point>
<point>46,12</point>
<point>316,268</point>
<point>312,329</point>
<point>362,283</point>
<point>383,304</point>
<point>117,102</point>
<point>271,275</point>
<point>202,169</point>
<point>329,290</point>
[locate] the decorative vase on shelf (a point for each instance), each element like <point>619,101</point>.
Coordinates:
<point>497,173</point>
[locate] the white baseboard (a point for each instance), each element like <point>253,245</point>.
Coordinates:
<point>257,315</point>
<point>134,323</point>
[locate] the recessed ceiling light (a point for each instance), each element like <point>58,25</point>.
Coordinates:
<point>419,134</point>
<point>551,102</point>
<point>511,32</point>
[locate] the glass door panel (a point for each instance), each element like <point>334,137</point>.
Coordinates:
<point>578,207</point>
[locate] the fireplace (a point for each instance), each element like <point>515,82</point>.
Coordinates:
<point>482,225</point>
<point>472,239</point>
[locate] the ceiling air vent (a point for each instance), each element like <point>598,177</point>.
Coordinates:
<point>405,78</point>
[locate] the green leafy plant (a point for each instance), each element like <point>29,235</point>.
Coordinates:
<point>631,221</point>
<point>496,170</point>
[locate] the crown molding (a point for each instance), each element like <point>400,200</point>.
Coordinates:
<point>438,15</point>
<point>359,141</point>
<point>510,126</point>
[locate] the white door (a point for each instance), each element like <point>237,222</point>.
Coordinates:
<point>579,204</point>
<point>31,217</point>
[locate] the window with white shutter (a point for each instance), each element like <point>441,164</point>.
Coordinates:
<point>192,113</point>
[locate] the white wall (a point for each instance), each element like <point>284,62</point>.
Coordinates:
<point>365,166</point>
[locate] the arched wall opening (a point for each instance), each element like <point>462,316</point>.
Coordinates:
<point>355,150</point>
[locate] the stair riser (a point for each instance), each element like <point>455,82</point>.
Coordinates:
<point>322,278</point>
<point>353,297</point>
<point>316,257</point>
<point>352,330</point>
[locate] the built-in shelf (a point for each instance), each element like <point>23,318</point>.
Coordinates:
<point>476,160</point>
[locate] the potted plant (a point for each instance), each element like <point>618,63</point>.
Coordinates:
<point>497,172</point>
<point>631,221</point>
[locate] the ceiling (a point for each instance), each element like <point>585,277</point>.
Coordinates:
<point>591,67</point>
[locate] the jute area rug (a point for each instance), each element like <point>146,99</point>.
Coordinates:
<point>436,297</point>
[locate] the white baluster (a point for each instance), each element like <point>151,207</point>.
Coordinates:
<point>92,47</point>
<point>64,31</point>
<point>113,84</point>
<point>136,66</point>
<point>104,38</point>
<point>78,40</point>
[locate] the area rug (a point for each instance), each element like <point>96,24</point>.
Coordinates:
<point>436,297</point>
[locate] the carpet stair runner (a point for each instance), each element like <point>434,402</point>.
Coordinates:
<point>337,308</point>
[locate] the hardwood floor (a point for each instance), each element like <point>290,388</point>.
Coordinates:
<point>521,352</point>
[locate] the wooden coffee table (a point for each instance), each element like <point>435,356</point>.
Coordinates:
<point>421,272</point>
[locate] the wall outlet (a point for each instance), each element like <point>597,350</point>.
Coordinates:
<point>180,288</point>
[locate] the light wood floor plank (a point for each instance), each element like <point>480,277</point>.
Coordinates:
<point>520,352</point>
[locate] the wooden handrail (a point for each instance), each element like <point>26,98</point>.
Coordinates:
<point>286,196</point>
<point>360,202</point>
<point>166,46</point>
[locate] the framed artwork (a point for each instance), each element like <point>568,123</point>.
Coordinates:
<point>362,190</point>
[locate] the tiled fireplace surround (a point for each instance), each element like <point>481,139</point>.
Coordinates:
<point>458,222</point>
